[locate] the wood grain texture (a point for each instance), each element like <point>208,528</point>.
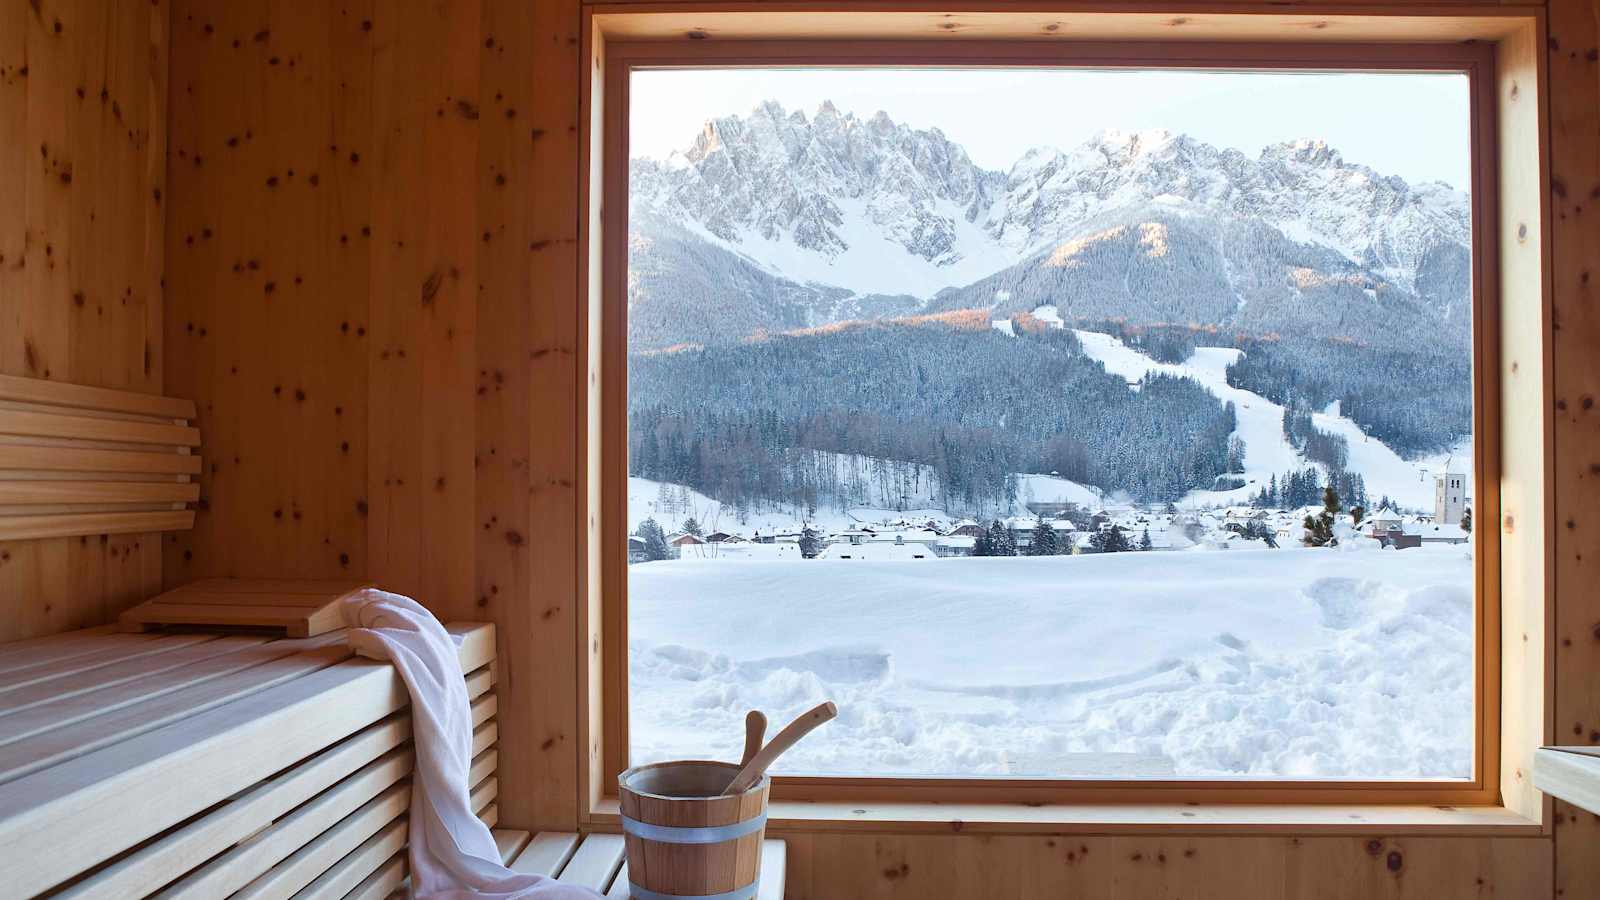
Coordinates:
<point>83,128</point>
<point>1574,164</point>
<point>359,419</point>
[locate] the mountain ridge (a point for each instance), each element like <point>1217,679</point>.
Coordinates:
<point>775,220</point>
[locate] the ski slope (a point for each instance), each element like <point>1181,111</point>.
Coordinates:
<point>1260,425</point>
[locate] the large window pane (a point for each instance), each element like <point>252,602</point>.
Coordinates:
<point>1054,423</point>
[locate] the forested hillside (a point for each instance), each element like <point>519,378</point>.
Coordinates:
<point>976,406</point>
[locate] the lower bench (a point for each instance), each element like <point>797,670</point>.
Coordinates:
<point>205,766</point>
<point>593,862</point>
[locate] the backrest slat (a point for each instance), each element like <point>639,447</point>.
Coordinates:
<point>78,460</point>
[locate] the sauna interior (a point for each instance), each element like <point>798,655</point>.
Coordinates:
<point>300,297</point>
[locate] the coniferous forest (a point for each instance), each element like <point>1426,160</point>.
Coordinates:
<point>743,422</point>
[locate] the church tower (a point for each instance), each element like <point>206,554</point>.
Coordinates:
<point>1449,497</point>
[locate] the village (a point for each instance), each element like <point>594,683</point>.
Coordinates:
<point>1051,528</point>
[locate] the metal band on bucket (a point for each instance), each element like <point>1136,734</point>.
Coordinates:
<point>748,892</point>
<point>706,834</point>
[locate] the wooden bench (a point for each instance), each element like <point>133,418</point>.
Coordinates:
<point>593,862</point>
<point>78,460</point>
<point>211,765</point>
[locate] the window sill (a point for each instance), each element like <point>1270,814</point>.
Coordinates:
<point>1166,818</point>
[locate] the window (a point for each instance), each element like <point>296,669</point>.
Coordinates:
<point>1134,441</point>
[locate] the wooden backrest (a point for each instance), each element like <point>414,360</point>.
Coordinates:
<point>78,460</point>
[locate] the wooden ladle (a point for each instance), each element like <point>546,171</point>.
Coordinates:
<point>755,731</point>
<point>756,766</point>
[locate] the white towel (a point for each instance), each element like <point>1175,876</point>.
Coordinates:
<point>452,852</point>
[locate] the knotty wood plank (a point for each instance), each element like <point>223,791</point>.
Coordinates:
<point>383,815</point>
<point>547,853</point>
<point>596,862</point>
<point>541,712</point>
<point>251,860</point>
<point>52,822</point>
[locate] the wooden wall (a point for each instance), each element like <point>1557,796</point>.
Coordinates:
<point>1574,113</point>
<point>83,126</point>
<point>372,270</point>
<point>372,243</point>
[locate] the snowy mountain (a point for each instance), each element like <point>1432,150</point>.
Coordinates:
<point>776,220</point>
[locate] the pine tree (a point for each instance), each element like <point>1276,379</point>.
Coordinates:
<point>1044,539</point>
<point>1000,541</point>
<point>1319,528</point>
<point>1144,540</point>
<point>810,542</point>
<point>655,541</point>
<point>691,525</point>
<point>1357,513</point>
<point>983,545</point>
<point>1466,521</point>
<point>1109,540</point>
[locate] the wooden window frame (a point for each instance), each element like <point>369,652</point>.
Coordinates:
<point>1498,51</point>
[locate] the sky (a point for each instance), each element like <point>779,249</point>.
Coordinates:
<point>1412,125</point>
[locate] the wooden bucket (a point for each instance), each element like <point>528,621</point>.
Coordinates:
<point>685,842</point>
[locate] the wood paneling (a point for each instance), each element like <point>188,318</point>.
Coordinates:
<point>1574,163</point>
<point>287,295</point>
<point>83,129</point>
<point>372,239</point>
<point>826,866</point>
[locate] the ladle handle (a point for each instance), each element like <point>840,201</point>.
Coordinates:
<point>755,731</point>
<point>794,731</point>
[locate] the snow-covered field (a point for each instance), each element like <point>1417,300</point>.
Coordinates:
<point>1294,662</point>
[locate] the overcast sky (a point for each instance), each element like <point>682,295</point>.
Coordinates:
<point>1414,126</point>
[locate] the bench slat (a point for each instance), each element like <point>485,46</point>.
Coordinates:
<point>73,710</point>
<point>50,647</point>
<point>17,528</point>
<point>383,815</point>
<point>510,841</point>
<point>352,871</point>
<point>596,862</point>
<point>53,425</point>
<point>546,854</point>
<point>28,457</point>
<point>53,823</point>
<point>181,850</point>
<point>113,652</point>
<point>389,877</point>
<point>26,493</point>
<point>58,745</point>
<point>135,671</point>
<point>59,393</point>
<point>254,857</point>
